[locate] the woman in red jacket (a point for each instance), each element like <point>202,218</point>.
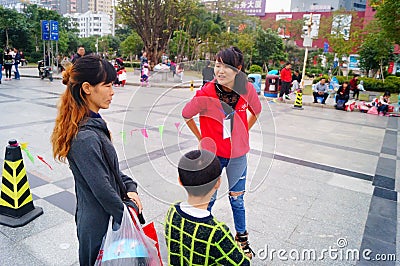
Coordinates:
<point>224,128</point>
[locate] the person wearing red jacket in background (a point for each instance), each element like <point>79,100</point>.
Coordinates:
<point>286,79</point>
<point>353,86</point>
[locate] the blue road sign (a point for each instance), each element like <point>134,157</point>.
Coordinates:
<point>45,30</point>
<point>326,47</point>
<point>54,30</point>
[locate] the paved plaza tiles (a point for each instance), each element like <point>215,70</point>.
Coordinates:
<point>321,182</point>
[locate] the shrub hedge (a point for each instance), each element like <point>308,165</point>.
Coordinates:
<point>392,83</point>
<point>255,69</point>
<point>132,64</point>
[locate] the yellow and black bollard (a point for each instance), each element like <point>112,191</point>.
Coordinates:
<point>16,203</point>
<point>191,85</point>
<point>298,103</point>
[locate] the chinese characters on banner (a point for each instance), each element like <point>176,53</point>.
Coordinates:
<point>316,18</point>
<point>252,7</point>
<point>341,25</point>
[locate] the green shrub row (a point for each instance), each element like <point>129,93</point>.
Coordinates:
<point>255,69</point>
<point>132,64</point>
<point>392,83</point>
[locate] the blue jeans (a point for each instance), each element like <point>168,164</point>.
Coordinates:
<point>383,108</point>
<point>236,170</point>
<point>16,71</point>
<point>1,72</point>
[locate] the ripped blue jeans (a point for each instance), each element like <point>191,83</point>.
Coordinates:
<point>236,170</point>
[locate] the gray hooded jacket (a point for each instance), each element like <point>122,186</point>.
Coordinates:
<point>97,192</point>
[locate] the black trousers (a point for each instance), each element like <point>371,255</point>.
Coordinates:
<point>7,69</point>
<point>356,92</point>
<point>285,88</point>
<point>383,108</point>
<point>315,94</point>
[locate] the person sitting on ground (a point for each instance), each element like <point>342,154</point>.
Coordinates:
<point>321,90</point>
<point>360,86</point>
<point>296,80</point>
<point>192,234</point>
<point>342,95</point>
<point>383,104</point>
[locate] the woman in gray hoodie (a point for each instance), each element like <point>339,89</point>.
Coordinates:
<point>81,136</point>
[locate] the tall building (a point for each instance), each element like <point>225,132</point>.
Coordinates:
<point>327,5</point>
<point>20,4</point>
<point>91,23</point>
<point>101,6</point>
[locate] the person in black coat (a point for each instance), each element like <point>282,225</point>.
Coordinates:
<point>8,63</point>
<point>81,136</point>
<point>343,92</point>
<point>79,53</point>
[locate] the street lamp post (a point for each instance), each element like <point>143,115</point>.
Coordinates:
<point>306,43</point>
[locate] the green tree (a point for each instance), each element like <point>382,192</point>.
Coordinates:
<point>199,26</point>
<point>246,43</point>
<point>33,17</point>
<point>268,46</point>
<point>376,50</point>
<point>131,45</point>
<point>155,21</point>
<point>11,20</point>
<point>388,13</point>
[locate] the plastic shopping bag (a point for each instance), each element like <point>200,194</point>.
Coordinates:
<point>373,111</point>
<point>151,232</point>
<point>128,245</point>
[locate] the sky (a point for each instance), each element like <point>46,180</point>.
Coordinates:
<point>277,5</point>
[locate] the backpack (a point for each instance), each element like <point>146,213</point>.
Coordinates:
<point>340,104</point>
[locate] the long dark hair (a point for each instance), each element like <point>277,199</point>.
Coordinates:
<point>233,57</point>
<point>73,106</point>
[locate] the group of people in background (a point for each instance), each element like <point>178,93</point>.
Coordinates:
<point>10,60</point>
<point>322,89</point>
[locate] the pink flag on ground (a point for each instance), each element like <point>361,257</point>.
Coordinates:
<point>144,133</point>
<point>177,124</point>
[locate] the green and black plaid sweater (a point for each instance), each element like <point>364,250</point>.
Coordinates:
<point>200,241</point>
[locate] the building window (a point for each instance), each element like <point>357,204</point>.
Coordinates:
<point>359,6</point>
